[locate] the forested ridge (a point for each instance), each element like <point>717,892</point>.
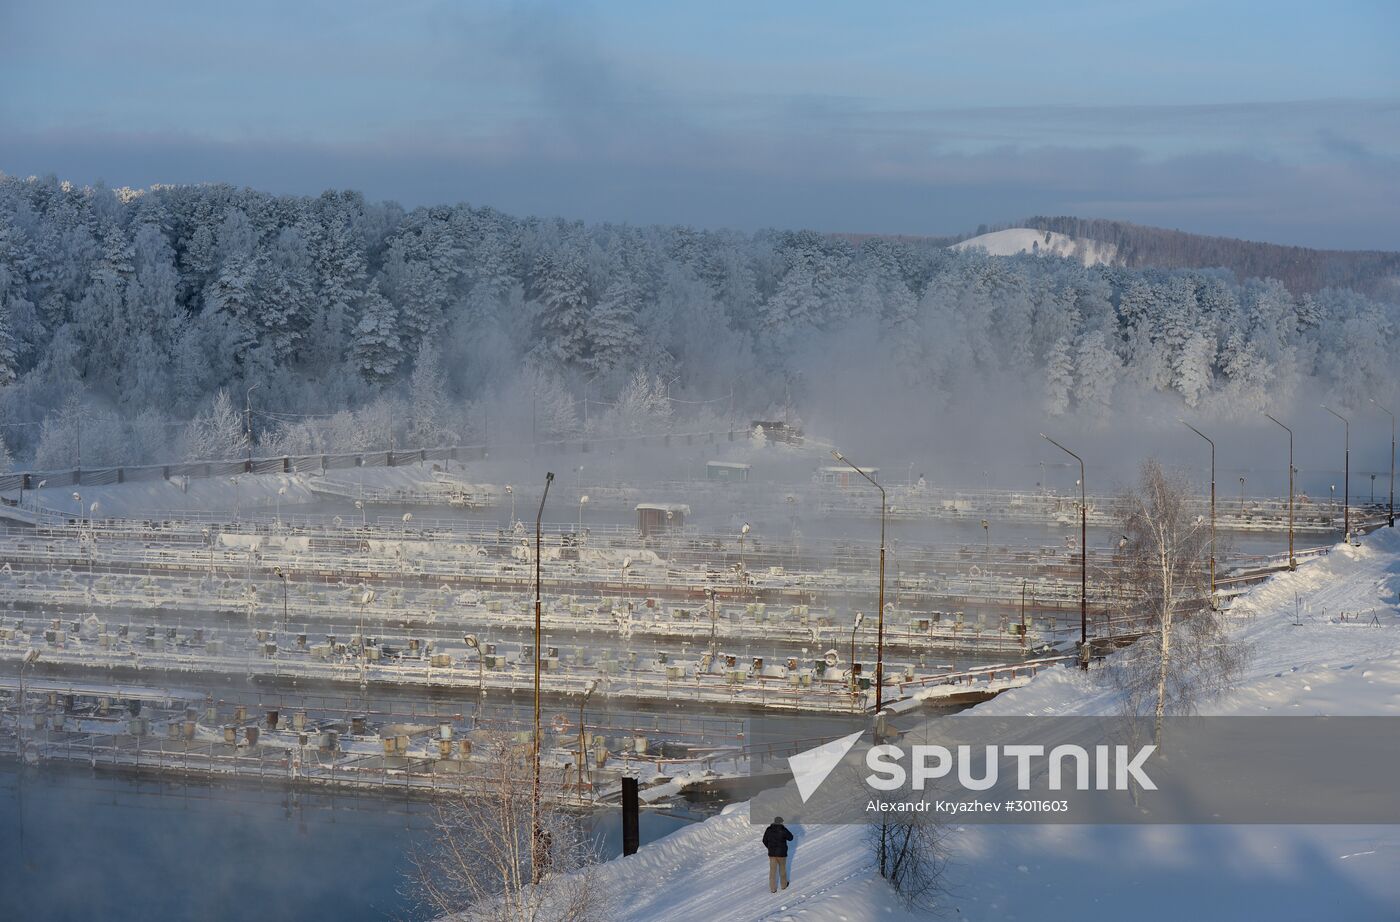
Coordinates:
<point>136,322</point>
<point>1302,269</point>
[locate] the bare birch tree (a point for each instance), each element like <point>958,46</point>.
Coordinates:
<point>1186,656</point>
<point>476,868</point>
<point>909,853</point>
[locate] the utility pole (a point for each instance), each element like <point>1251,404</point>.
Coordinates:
<point>1083,556</point>
<point>1292,561</point>
<point>248,421</point>
<point>1212,505</point>
<point>537,831</point>
<point>1346,473</point>
<point>1390,518</point>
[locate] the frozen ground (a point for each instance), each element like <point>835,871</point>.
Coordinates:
<point>1305,660</point>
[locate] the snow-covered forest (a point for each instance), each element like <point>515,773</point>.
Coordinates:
<point>132,325</point>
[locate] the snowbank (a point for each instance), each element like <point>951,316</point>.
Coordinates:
<point>1325,640</point>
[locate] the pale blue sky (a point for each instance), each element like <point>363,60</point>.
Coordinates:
<point>1275,120</point>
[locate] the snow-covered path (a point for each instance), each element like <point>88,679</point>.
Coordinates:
<point>1304,660</point>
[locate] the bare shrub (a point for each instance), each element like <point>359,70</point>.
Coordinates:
<point>477,866</point>
<point>908,852</point>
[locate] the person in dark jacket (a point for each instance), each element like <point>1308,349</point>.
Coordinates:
<point>776,838</point>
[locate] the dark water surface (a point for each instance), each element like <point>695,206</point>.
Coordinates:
<point>79,846</point>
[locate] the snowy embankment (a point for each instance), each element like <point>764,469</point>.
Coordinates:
<point>1324,641</point>
<point>1016,240</point>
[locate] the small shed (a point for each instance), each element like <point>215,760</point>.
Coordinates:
<point>726,471</point>
<point>841,475</point>
<point>655,518</point>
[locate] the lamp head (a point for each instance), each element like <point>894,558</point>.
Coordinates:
<point>860,616</point>
<point>31,655</point>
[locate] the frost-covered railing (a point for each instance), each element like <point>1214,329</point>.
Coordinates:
<point>290,464</point>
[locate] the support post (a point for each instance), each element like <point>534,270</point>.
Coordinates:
<point>631,831</point>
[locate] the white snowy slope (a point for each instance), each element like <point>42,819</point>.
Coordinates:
<point>1305,660</point>
<point>1015,240</point>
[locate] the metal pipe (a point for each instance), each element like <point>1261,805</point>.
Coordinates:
<point>1083,554</point>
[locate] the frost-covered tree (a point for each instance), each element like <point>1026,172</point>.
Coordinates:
<point>377,350</point>
<point>428,424</point>
<point>1193,367</point>
<point>218,433</point>
<point>563,312</point>
<point>1187,655</point>
<point>613,326</point>
<point>1059,379</point>
<point>642,406</point>
<point>553,410</point>
<point>1097,370</point>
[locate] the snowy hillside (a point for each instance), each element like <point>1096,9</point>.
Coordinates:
<point>1017,240</point>
<point>1306,659</point>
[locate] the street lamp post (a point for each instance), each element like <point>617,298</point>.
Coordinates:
<point>1212,504</point>
<point>30,656</point>
<point>714,623</point>
<point>1241,496</point>
<point>860,617</point>
<point>282,575</point>
<point>1292,561</point>
<point>536,831</point>
<point>248,421</point>
<point>1346,473</point>
<point>880,622</point>
<point>1083,555</point>
<point>473,644</point>
<point>1390,518</point>
<point>582,501</point>
<point>92,535</point>
<point>588,691</point>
